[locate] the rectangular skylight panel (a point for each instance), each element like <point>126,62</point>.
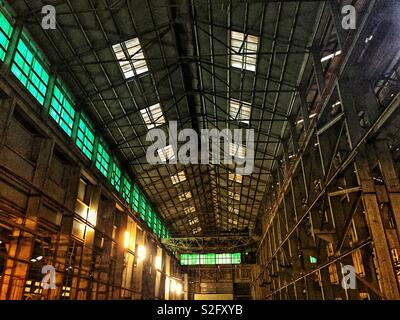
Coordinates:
<point>153,116</point>
<point>237,150</point>
<point>240,111</point>
<point>233,221</point>
<point>166,153</point>
<point>196,230</point>
<point>235,177</point>
<point>245,49</point>
<point>179,177</point>
<point>190,209</point>
<point>136,53</point>
<point>131,58</point>
<point>234,195</point>
<point>185,196</point>
<point>193,221</point>
<point>233,210</point>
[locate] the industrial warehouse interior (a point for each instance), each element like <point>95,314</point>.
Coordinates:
<point>199,150</point>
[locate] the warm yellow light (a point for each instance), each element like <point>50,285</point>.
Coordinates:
<point>92,217</point>
<point>127,238</point>
<point>172,287</point>
<point>158,263</point>
<point>178,288</point>
<point>167,285</point>
<point>141,252</point>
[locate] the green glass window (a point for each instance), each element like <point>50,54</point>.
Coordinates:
<point>61,109</point>
<point>149,216</point>
<point>224,258</point>
<point>116,176</point>
<point>193,259</point>
<point>157,226</point>
<point>313,259</point>
<point>161,230</point>
<point>102,159</point>
<point>6,30</point>
<point>142,206</point>
<point>208,258</point>
<point>135,199</point>
<point>236,258</point>
<point>30,69</point>
<point>126,190</point>
<point>184,258</point>
<point>85,136</point>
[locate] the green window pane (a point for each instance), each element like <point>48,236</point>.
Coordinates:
<point>149,216</point>
<point>126,190</point>
<point>135,198</point>
<point>208,258</point>
<point>161,230</point>
<point>142,206</point>
<point>313,259</point>
<point>184,259</point>
<point>158,232</point>
<point>102,159</point>
<point>6,30</point>
<point>61,109</point>
<point>194,259</point>
<point>155,224</point>
<point>28,67</point>
<point>236,258</point>
<point>116,177</point>
<point>85,137</point>
<point>224,258</point>
<point>164,232</point>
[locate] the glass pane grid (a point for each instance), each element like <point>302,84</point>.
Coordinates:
<point>85,137</point>
<point>142,207</point>
<point>187,259</point>
<point>149,216</point>
<point>126,190</point>
<point>116,177</point>
<point>130,58</point>
<point>61,110</point>
<point>102,159</point>
<point>135,200</point>
<point>244,51</point>
<point>30,71</point>
<point>6,30</point>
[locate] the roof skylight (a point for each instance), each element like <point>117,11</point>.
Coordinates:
<point>237,150</point>
<point>236,177</point>
<point>234,195</point>
<point>179,177</point>
<point>166,153</point>
<point>189,209</point>
<point>240,111</point>
<point>131,58</point>
<point>153,116</point>
<point>185,196</point>
<point>245,48</point>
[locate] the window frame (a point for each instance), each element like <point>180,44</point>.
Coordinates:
<point>103,159</point>
<point>66,106</point>
<point>30,68</point>
<point>87,142</point>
